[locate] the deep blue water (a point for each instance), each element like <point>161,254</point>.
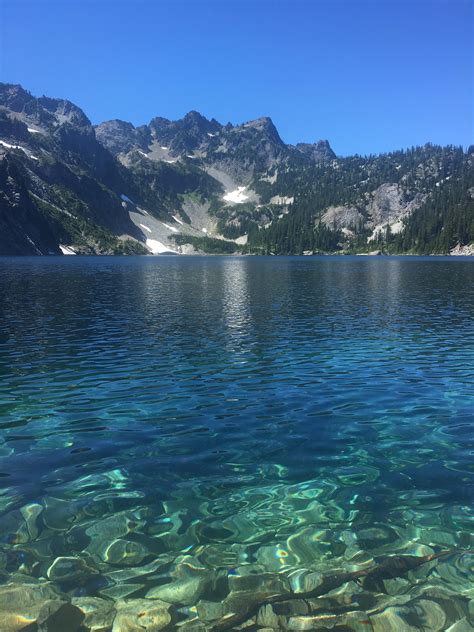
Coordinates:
<point>230,414</point>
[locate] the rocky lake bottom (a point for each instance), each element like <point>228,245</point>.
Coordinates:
<point>219,443</point>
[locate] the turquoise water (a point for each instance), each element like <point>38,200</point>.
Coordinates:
<point>202,429</point>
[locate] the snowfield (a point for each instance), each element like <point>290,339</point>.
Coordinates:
<point>8,146</point>
<point>172,228</point>
<point>66,250</point>
<point>237,196</point>
<point>158,248</point>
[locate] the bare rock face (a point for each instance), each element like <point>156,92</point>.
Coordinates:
<point>265,126</point>
<point>22,230</point>
<point>320,151</point>
<point>462,251</point>
<point>184,135</point>
<point>44,111</point>
<point>340,217</point>
<point>122,137</point>
<point>387,204</point>
<point>67,186</point>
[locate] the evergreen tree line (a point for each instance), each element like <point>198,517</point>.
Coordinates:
<point>445,175</point>
<point>445,219</point>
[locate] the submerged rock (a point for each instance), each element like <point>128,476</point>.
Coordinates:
<point>190,581</point>
<point>59,616</point>
<point>141,615</point>
<point>120,591</point>
<point>30,514</point>
<point>131,573</point>
<point>416,615</point>
<point>185,591</point>
<point>304,581</point>
<point>59,514</point>
<point>463,625</point>
<point>36,608</point>
<point>12,622</point>
<point>65,569</point>
<point>125,552</point>
<point>356,621</point>
<point>267,618</point>
<point>99,613</point>
<point>211,610</point>
<point>251,580</point>
<point>25,600</point>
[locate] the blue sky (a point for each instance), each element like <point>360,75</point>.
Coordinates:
<point>370,76</point>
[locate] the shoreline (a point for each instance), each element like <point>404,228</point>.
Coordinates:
<point>239,254</point>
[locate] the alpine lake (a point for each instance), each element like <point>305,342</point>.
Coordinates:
<point>226,443</point>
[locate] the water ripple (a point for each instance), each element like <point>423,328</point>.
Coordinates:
<point>161,414</point>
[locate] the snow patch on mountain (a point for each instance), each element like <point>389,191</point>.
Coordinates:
<point>172,228</point>
<point>67,250</point>
<point>158,248</point>
<point>281,200</point>
<point>8,146</point>
<point>25,151</point>
<point>237,196</point>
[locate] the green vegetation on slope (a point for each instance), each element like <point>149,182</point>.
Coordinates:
<point>209,245</point>
<point>73,229</point>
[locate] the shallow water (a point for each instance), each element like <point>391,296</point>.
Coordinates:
<point>194,428</point>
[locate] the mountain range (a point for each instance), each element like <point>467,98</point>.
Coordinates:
<point>196,185</point>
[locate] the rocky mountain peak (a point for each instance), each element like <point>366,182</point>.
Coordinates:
<point>118,125</point>
<point>265,125</point>
<point>64,111</point>
<point>195,121</point>
<point>121,137</point>
<point>195,117</point>
<point>186,134</point>
<point>62,181</point>
<point>44,111</point>
<point>14,97</point>
<point>159,122</point>
<point>319,151</point>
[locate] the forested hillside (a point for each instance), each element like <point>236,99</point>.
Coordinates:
<point>195,185</point>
